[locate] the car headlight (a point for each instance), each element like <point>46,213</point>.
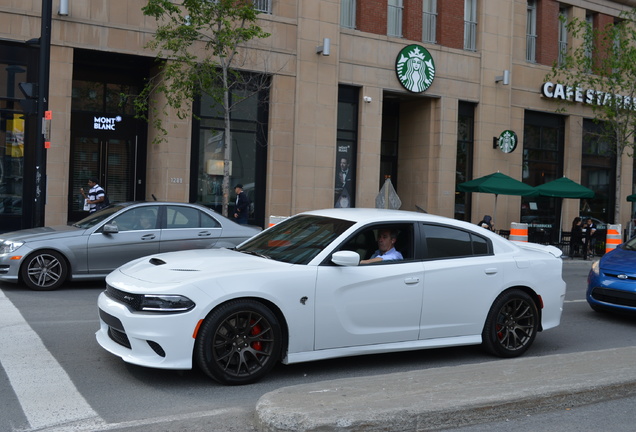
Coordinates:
<point>9,246</point>
<point>595,268</point>
<point>166,303</point>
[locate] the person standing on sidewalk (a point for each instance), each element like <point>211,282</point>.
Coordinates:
<point>590,239</point>
<point>96,195</point>
<point>576,237</point>
<point>242,209</point>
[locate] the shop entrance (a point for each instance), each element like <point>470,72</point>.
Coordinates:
<point>110,150</point>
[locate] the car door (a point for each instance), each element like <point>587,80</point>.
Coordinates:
<point>369,304</point>
<point>461,279</point>
<point>138,236</point>
<point>188,228</point>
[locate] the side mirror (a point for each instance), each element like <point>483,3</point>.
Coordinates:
<point>345,258</point>
<point>110,229</point>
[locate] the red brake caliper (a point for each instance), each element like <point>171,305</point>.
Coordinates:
<point>257,345</point>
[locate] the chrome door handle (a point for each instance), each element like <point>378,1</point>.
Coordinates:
<point>412,280</point>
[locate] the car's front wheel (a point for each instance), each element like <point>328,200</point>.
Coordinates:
<point>44,271</point>
<point>239,342</point>
<point>511,325</point>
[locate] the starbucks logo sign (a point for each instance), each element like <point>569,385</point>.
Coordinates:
<point>507,141</point>
<point>415,68</point>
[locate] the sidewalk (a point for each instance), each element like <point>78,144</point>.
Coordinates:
<point>447,397</point>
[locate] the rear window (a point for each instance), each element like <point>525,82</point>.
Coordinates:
<point>448,242</point>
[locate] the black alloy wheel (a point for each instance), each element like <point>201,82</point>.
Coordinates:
<point>239,342</point>
<point>511,325</point>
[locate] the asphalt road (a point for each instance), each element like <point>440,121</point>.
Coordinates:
<point>111,395</point>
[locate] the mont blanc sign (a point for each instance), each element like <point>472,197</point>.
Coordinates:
<point>105,123</point>
<point>570,93</point>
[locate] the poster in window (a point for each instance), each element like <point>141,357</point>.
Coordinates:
<point>345,174</point>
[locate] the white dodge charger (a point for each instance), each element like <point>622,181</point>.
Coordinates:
<point>298,292</point>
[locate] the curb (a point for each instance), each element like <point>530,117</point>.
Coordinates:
<point>450,396</point>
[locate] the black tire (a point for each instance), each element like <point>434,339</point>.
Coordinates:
<point>511,325</point>
<point>238,343</point>
<point>44,270</point>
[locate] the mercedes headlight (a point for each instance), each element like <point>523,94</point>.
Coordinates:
<point>167,303</point>
<point>8,246</point>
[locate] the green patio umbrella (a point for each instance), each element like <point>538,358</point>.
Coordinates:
<point>564,188</point>
<point>497,184</point>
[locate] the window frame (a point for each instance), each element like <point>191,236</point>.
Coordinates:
<point>563,34</point>
<point>395,16</point>
<point>348,14</point>
<point>531,31</point>
<point>429,21</point>
<point>263,6</point>
<point>470,25</point>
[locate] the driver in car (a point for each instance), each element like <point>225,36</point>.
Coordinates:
<point>386,248</point>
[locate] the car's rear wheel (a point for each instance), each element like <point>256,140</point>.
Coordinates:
<point>239,342</point>
<point>44,270</point>
<point>511,325</point>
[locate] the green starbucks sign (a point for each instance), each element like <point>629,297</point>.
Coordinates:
<point>415,68</point>
<point>507,141</point>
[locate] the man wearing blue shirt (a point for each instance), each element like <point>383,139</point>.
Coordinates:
<point>386,248</point>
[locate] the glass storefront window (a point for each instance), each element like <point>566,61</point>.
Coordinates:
<point>543,147</point>
<point>464,160</point>
<point>12,123</point>
<point>246,129</point>
<point>346,147</point>
<point>598,172</point>
<point>104,97</point>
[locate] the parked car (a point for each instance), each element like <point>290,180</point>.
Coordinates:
<point>611,283</point>
<point>296,292</point>
<point>44,258</point>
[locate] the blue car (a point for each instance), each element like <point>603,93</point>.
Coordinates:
<point>611,284</point>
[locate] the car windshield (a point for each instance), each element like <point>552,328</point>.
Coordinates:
<point>95,218</point>
<point>630,244</point>
<point>297,240</point>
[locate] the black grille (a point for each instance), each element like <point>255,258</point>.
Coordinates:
<point>115,329</point>
<point>132,300</point>
<point>119,337</point>
<point>621,298</point>
<point>4,269</point>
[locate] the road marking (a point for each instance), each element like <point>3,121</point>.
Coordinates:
<point>574,301</point>
<point>45,391</point>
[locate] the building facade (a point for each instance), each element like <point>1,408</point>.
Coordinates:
<point>340,114</point>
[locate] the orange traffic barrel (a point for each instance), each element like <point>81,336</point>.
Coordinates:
<point>613,237</point>
<point>518,232</point>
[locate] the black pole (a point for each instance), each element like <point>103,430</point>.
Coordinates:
<point>43,105</point>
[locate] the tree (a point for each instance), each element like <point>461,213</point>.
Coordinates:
<point>601,73</point>
<point>198,42</point>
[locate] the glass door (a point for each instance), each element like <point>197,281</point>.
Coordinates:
<point>112,160</point>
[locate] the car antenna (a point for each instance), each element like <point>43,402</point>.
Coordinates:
<point>154,197</point>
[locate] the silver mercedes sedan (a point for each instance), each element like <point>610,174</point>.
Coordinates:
<point>44,258</point>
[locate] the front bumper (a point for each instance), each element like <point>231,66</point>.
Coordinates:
<point>163,341</point>
<point>607,291</point>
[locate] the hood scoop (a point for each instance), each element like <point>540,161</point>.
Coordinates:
<point>158,262</point>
